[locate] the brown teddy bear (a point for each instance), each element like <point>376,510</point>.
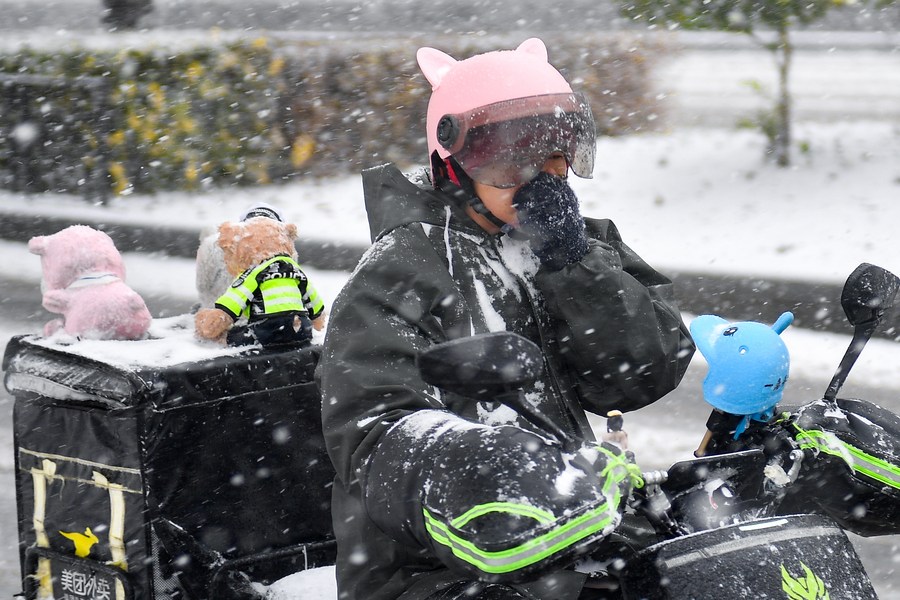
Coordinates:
<point>212,278</point>
<point>270,295</point>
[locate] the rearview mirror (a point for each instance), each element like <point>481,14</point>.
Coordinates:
<point>868,292</point>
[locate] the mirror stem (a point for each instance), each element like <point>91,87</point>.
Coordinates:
<point>861,335</point>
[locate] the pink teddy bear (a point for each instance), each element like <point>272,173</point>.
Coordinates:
<point>84,281</point>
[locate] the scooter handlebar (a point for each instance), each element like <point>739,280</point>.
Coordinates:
<point>654,477</point>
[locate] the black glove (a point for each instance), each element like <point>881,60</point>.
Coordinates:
<point>549,216</point>
<point>500,493</point>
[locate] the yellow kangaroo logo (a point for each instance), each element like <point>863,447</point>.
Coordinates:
<point>83,541</point>
<point>808,587</point>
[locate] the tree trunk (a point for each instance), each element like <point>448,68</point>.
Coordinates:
<point>783,56</point>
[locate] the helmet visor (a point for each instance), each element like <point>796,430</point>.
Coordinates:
<point>505,144</point>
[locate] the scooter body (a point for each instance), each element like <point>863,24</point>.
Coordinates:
<point>731,542</point>
<point>795,556</point>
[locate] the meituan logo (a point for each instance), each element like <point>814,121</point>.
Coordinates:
<point>82,541</point>
<point>808,587</point>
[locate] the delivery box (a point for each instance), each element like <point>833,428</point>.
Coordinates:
<point>166,479</point>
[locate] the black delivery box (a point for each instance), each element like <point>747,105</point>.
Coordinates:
<point>181,480</point>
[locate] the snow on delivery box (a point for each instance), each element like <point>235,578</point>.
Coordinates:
<point>141,472</point>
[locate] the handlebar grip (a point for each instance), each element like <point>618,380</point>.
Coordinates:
<point>654,477</point>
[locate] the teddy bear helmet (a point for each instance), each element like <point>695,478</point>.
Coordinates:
<point>501,114</point>
<point>261,209</point>
<point>748,363</point>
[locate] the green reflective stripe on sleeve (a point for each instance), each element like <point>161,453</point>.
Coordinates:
<point>858,461</point>
<point>529,553</point>
<point>556,539</point>
<point>542,516</point>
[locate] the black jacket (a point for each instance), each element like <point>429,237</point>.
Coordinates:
<point>609,327</point>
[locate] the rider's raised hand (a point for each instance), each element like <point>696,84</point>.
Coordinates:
<point>549,215</point>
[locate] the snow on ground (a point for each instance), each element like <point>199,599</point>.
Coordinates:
<point>839,76</point>
<point>703,199</point>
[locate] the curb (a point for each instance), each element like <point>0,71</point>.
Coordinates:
<point>816,306</point>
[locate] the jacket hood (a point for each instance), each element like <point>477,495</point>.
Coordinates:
<point>392,201</point>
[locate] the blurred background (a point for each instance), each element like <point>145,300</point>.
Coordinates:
<point>375,16</point>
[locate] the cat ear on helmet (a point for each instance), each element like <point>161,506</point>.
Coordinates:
<point>434,64</point>
<point>536,47</point>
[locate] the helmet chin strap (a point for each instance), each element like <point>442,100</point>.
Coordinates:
<point>453,180</point>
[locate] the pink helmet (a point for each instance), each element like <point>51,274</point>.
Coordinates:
<point>500,114</point>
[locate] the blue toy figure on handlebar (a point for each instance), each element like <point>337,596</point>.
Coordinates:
<point>834,456</point>
<point>748,369</point>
